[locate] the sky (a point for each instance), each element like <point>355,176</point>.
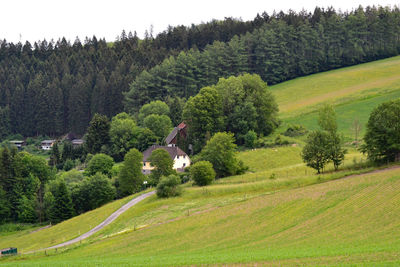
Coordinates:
<point>22,20</point>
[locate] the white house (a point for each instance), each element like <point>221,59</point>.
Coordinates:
<point>47,144</point>
<point>180,158</point>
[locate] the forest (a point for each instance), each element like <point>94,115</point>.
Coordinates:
<point>56,87</point>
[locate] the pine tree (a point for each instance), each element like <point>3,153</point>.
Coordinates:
<point>62,208</point>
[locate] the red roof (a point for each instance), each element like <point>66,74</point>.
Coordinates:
<point>181,125</point>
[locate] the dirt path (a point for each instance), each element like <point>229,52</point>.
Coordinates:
<point>106,222</point>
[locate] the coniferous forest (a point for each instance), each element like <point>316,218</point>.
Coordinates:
<point>54,87</point>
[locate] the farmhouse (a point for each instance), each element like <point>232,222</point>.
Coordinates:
<point>47,144</point>
<point>180,158</point>
<point>17,143</point>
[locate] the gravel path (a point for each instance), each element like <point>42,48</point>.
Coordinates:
<point>106,222</point>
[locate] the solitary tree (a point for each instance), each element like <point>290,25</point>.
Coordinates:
<point>382,138</point>
<point>327,122</point>
<point>316,151</point>
<point>356,127</point>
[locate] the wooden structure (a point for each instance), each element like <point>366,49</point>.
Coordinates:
<point>172,138</point>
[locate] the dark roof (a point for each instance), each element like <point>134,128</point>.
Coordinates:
<point>174,132</point>
<point>48,141</point>
<point>172,150</point>
<point>171,136</point>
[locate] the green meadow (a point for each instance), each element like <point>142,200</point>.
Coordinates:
<point>354,91</point>
<point>278,213</point>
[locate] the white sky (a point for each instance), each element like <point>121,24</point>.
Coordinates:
<point>51,19</point>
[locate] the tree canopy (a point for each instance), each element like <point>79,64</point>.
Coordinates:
<point>382,137</point>
<point>220,150</point>
<point>130,178</point>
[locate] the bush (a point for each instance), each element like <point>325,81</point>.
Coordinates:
<point>69,165</point>
<point>250,139</point>
<point>202,173</point>
<point>169,186</point>
<point>295,130</point>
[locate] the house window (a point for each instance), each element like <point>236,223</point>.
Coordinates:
<point>184,164</point>
<point>184,156</point>
<point>144,163</point>
<point>177,157</point>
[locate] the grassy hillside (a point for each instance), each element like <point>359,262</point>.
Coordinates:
<point>355,91</point>
<point>351,220</point>
<point>28,240</point>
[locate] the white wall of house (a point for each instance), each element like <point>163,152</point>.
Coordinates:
<point>181,162</point>
<point>46,147</point>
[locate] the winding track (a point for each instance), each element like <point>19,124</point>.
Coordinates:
<point>106,222</point>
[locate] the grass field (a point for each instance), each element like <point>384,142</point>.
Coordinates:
<point>355,91</point>
<point>351,220</point>
<point>30,240</point>
<point>279,213</point>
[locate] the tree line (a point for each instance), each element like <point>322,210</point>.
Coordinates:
<point>55,87</point>
<point>51,88</point>
<point>286,46</point>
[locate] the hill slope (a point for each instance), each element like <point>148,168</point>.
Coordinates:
<point>351,220</point>
<point>355,91</point>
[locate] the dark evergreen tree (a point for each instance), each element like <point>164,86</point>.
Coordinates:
<point>62,208</point>
<point>97,133</point>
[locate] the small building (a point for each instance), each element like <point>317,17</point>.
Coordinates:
<point>18,143</point>
<point>8,252</point>
<point>47,144</point>
<point>77,142</point>
<point>180,158</point>
<point>172,138</point>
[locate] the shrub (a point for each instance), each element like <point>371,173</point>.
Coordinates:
<point>295,130</point>
<point>202,173</point>
<point>69,164</point>
<point>169,186</point>
<point>250,139</point>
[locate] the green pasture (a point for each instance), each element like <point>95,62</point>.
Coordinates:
<point>352,221</point>
<point>31,239</point>
<point>354,91</point>
<point>303,94</point>
<point>346,114</point>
